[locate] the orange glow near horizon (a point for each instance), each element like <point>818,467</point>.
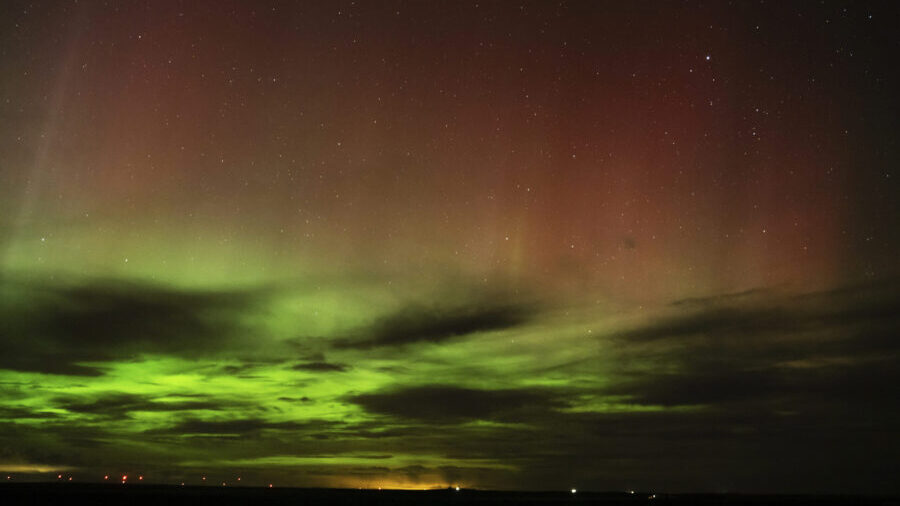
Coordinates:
<point>393,483</point>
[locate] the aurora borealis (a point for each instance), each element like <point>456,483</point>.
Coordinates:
<point>517,245</point>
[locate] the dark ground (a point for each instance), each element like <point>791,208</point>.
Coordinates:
<point>137,495</point>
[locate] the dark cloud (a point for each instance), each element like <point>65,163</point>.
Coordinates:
<point>728,321</point>
<point>22,413</point>
<point>51,362</point>
<point>840,345</point>
<point>342,471</point>
<point>54,328</point>
<point>320,367</point>
<point>449,404</point>
<point>849,321</point>
<point>419,324</point>
<point>121,405</point>
<point>295,399</point>
<point>238,427</point>
<point>246,365</point>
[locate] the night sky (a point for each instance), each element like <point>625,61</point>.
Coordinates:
<point>527,245</point>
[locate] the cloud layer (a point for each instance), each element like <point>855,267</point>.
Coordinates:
<point>763,390</point>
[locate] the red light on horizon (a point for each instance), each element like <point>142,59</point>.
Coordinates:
<point>140,477</point>
<point>105,476</point>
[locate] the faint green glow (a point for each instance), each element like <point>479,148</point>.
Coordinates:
<point>318,462</point>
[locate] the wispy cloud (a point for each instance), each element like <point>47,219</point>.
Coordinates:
<point>419,324</point>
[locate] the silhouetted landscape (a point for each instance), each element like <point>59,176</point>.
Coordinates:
<point>137,495</point>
